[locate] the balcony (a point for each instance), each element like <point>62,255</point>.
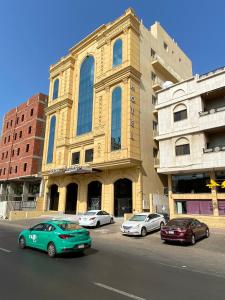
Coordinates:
<point>159,64</point>
<point>157,84</point>
<point>214,149</point>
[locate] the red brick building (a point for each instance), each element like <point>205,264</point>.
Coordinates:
<point>21,148</point>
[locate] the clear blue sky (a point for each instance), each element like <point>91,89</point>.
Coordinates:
<point>36,33</point>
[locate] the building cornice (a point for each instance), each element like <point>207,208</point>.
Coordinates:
<point>58,105</point>
<point>65,63</point>
<point>127,162</point>
<point>127,72</point>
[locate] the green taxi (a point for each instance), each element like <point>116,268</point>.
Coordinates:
<point>55,237</point>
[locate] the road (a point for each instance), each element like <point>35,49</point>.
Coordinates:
<point>116,267</point>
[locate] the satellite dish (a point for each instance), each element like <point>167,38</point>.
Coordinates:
<point>167,84</point>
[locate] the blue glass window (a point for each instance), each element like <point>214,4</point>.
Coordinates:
<point>51,140</point>
<point>56,89</point>
<point>85,102</point>
<point>117,52</point>
<point>116,119</point>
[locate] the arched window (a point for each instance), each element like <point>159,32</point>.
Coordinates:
<point>180,112</point>
<point>85,102</point>
<point>51,140</point>
<point>116,119</point>
<point>182,147</point>
<point>55,89</point>
<point>117,52</point>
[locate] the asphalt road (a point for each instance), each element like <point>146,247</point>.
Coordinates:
<point>115,268</point>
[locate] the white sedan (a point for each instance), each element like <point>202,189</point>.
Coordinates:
<point>95,218</point>
<point>142,223</point>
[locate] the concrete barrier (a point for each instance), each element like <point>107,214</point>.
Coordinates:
<point>20,215</point>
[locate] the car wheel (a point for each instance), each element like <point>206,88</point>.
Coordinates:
<point>51,250</point>
<point>207,233</point>
<point>143,231</point>
<point>98,224</point>
<point>193,240</point>
<point>111,221</point>
<point>22,242</point>
<point>162,224</point>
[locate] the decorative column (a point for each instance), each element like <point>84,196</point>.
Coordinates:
<point>62,198</point>
<point>82,196</point>
<point>46,196</point>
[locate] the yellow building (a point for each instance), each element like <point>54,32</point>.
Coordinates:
<point>99,149</point>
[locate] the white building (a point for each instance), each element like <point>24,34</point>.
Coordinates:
<point>191,126</point>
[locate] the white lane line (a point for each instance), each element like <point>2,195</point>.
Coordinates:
<point>5,250</point>
<point>118,291</point>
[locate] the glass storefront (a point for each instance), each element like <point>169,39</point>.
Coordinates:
<point>191,183</point>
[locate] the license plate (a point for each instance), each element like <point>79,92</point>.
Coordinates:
<point>80,246</point>
<point>171,232</point>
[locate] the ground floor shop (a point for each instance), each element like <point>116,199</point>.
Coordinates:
<point>190,195</point>
<point>116,191</point>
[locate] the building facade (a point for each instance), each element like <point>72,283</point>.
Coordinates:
<point>21,151</point>
<point>99,150</point>
<point>192,146</point>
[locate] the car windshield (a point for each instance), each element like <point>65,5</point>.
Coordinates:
<point>90,213</point>
<point>178,223</point>
<point>138,218</point>
<point>69,226</point>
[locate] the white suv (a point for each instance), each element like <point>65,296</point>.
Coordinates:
<point>142,223</point>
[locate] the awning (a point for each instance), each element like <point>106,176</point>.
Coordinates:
<point>73,170</point>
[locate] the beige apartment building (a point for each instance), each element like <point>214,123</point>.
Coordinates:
<point>192,146</point>
<point>100,150</point>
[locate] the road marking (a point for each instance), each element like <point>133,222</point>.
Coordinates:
<point>5,250</point>
<point>118,291</point>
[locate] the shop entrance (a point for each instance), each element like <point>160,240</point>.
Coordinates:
<point>122,197</point>
<point>54,197</point>
<point>71,198</point>
<point>94,195</point>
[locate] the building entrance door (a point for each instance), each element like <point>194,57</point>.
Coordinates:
<point>94,195</point>
<point>122,197</point>
<point>71,198</point>
<point>54,197</point>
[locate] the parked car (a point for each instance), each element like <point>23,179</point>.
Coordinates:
<point>95,218</point>
<point>185,230</point>
<point>56,237</point>
<point>142,223</point>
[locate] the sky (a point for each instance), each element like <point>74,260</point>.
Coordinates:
<point>36,33</point>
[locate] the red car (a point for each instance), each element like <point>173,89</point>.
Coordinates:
<point>184,230</point>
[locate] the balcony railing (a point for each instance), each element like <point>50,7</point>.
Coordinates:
<point>214,149</point>
<point>211,111</point>
<point>157,84</point>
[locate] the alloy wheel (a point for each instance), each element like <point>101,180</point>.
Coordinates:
<point>22,242</point>
<point>193,239</point>
<point>143,232</point>
<point>51,250</point>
